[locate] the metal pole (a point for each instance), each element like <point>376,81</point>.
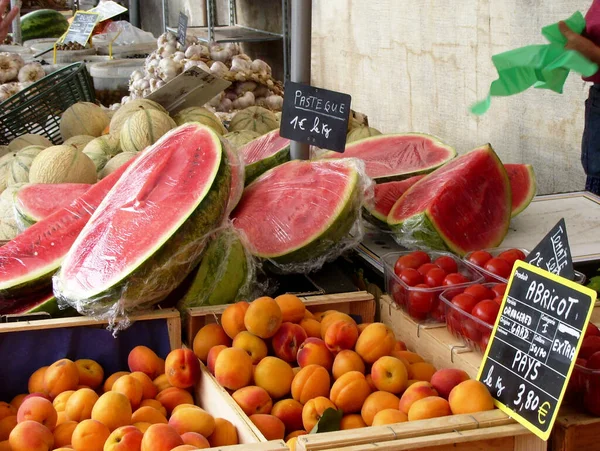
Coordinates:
<point>16,25</point>
<point>300,70</point>
<point>165,18</point>
<point>134,13</point>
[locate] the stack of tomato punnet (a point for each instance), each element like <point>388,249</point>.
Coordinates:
<point>495,264</point>
<point>584,385</point>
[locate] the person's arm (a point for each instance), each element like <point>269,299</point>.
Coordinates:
<point>7,19</point>
<point>580,43</point>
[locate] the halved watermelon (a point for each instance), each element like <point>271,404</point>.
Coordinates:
<point>300,210</point>
<point>264,153</point>
<point>28,262</point>
<point>43,303</point>
<point>151,229</point>
<point>237,176</point>
<point>397,157</point>
<point>522,184</point>
<point>463,206</point>
<point>386,195</point>
<point>36,201</point>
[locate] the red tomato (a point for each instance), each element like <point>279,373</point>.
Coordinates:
<point>447,263</point>
<point>455,279</point>
<point>439,311</point>
<point>591,329</point>
<point>406,261</point>
<point>498,300</point>
<point>435,277</point>
<point>398,293</point>
<point>499,267</point>
<point>411,277</point>
<point>424,269</point>
<point>512,255</point>
<point>421,301</point>
<point>483,343</point>
<point>421,257</point>
<point>486,311</point>
<point>470,330</point>
<point>480,292</point>
<point>480,258</point>
<point>465,302</point>
<point>499,289</point>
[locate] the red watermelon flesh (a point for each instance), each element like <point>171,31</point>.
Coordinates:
<point>463,206</point>
<point>264,153</point>
<point>396,157</point>
<point>28,261</point>
<point>237,177</point>
<point>36,201</point>
<point>522,184</point>
<point>386,195</point>
<point>45,302</point>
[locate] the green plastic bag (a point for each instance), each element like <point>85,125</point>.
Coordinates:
<point>545,66</point>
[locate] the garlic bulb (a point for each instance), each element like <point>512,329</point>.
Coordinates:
<point>244,87</point>
<point>239,64</point>
<point>216,100</point>
<point>261,67</point>
<point>192,63</point>
<point>179,57</point>
<point>25,84</point>
<point>196,52</point>
<point>261,91</point>
<point>225,106</point>
<point>166,38</point>
<point>244,102</point>
<point>220,53</point>
<point>8,90</point>
<point>31,72</point>
<point>9,67</point>
<point>167,50</point>
<point>275,102</point>
<point>219,69</point>
<point>137,75</point>
<point>168,69</point>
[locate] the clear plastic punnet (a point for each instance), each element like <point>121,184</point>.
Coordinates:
<point>236,165</point>
<point>301,214</point>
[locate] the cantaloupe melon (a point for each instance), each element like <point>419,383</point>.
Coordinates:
<point>241,138</point>
<point>123,113</point>
<point>116,162</point>
<point>29,139</point>
<point>255,118</point>
<point>361,132</point>
<point>3,150</point>
<point>202,115</point>
<point>83,118</point>
<point>101,149</point>
<point>79,141</point>
<point>9,227</point>
<point>5,162</point>
<point>20,165</point>
<point>62,164</point>
<point>144,128</point>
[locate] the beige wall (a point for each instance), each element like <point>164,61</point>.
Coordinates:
<point>418,66</point>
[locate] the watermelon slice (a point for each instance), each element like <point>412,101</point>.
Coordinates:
<point>463,206</point>
<point>386,195</point>
<point>28,262</point>
<point>37,201</point>
<point>300,210</point>
<point>151,229</point>
<point>397,157</point>
<point>264,153</point>
<point>522,184</point>
<point>43,303</point>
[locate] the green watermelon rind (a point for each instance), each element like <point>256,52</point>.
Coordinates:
<point>375,218</point>
<point>258,168</point>
<point>517,209</point>
<point>422,231</point>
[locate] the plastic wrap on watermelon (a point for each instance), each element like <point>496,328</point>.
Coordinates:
<point>264,153</point>
<point>236,165</point>
<point>301,214</point>
<point>151,230</point>
<point>10,223</point>
<point>226,274</point>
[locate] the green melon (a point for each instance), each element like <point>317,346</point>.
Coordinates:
<point>21,164</point>
<point>79,141</point>
<point>101,149</point>
<point>241,138</point>
<point>27,140</point>
<point>144,128</point>
<point>116,162</point>
<point>202,115</point>
<point>83,118</point>
<point>361,132</point>
<point>9,226</point>
<point>254,118</point>
<point>62,164</point>
<point>123,113</point>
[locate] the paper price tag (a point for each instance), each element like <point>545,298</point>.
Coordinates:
<point>108,10</point>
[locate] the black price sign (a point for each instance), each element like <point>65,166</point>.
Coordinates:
<point>534,344</point>
<point>553,253</point>
<point>82,27</point>
<point>315,116</point>
<point>182,29</point>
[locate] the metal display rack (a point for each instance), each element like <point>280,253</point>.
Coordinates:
<point>233,32</point>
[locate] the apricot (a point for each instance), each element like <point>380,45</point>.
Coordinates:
<point>232,319</point>
<point>470,396</point>
<point>149,390</point>
<point>312,327</point>
<point>414,393</point>
<point>313,410</point>
<point>361,327</point>
<point>197,441</point>
<point>172,397</point>
<point>314,351</point>
<point>90,435</point>
<point>61,417</point>
<point>292,308</point>
<point>369,379</point>
<point>410,357</point>
<point>5,446</point>
<point>184,448</point>
<point>233,368</point>
<point>109,382</point>
<point>400,346</point>
<point>212,357</point>
<point>308,314</point>
<point>40,410</point>
<point>148,414</point>
<point>340,335</point>
<point>352,421</point>
<point>297,433</point>
<point>7,424</point>
<point>63,433</point>
<point>389,374</point>
<point>422,371</point>
<point>113,410</point>
<point>182,368</point>
<point>271,427</point>
<point>320,315</point>
<point>446,379</point>
<point>36,381</point>
<point>311,382</point>
<point>160,437</point>
<point>253,345</point>
<point>31,436</point>
<point>275,376</point>
<point>377,340</point>
<point>61,376</point>
<point>125,438</point>
<point>350,391</point>
<point>291,443</point>
<point>389,416</point>
<point>225,434</point>
<point>144,359</point>
<point>333,317</point>
<point>60,402</point>
<point>430,407</point>
<point>17,401</point>
<point>161,383</point>
<point>143,427</point>
<point>290,412</point>
<point>185,406</point>
<point>91,373</point>
<point>192,420</point>
<point>207,337</point>
<point>346,361</point>
<point>263,317</point>
<point>287,341</point>
<point>376,402</point>
<point>253,399</point>
<point>131,388</point>
<point>154,404</point>
<point>80,404</point>
<point>7,410</point>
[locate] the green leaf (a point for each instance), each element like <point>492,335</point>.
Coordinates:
<point>594,283</point>
<point>329,421</point>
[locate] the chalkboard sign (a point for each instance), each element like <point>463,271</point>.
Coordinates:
<point>553,253</point>
<point>81,28</point>
<point>182,29</point>
<point>534,344</point>
<point>315,116</point>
